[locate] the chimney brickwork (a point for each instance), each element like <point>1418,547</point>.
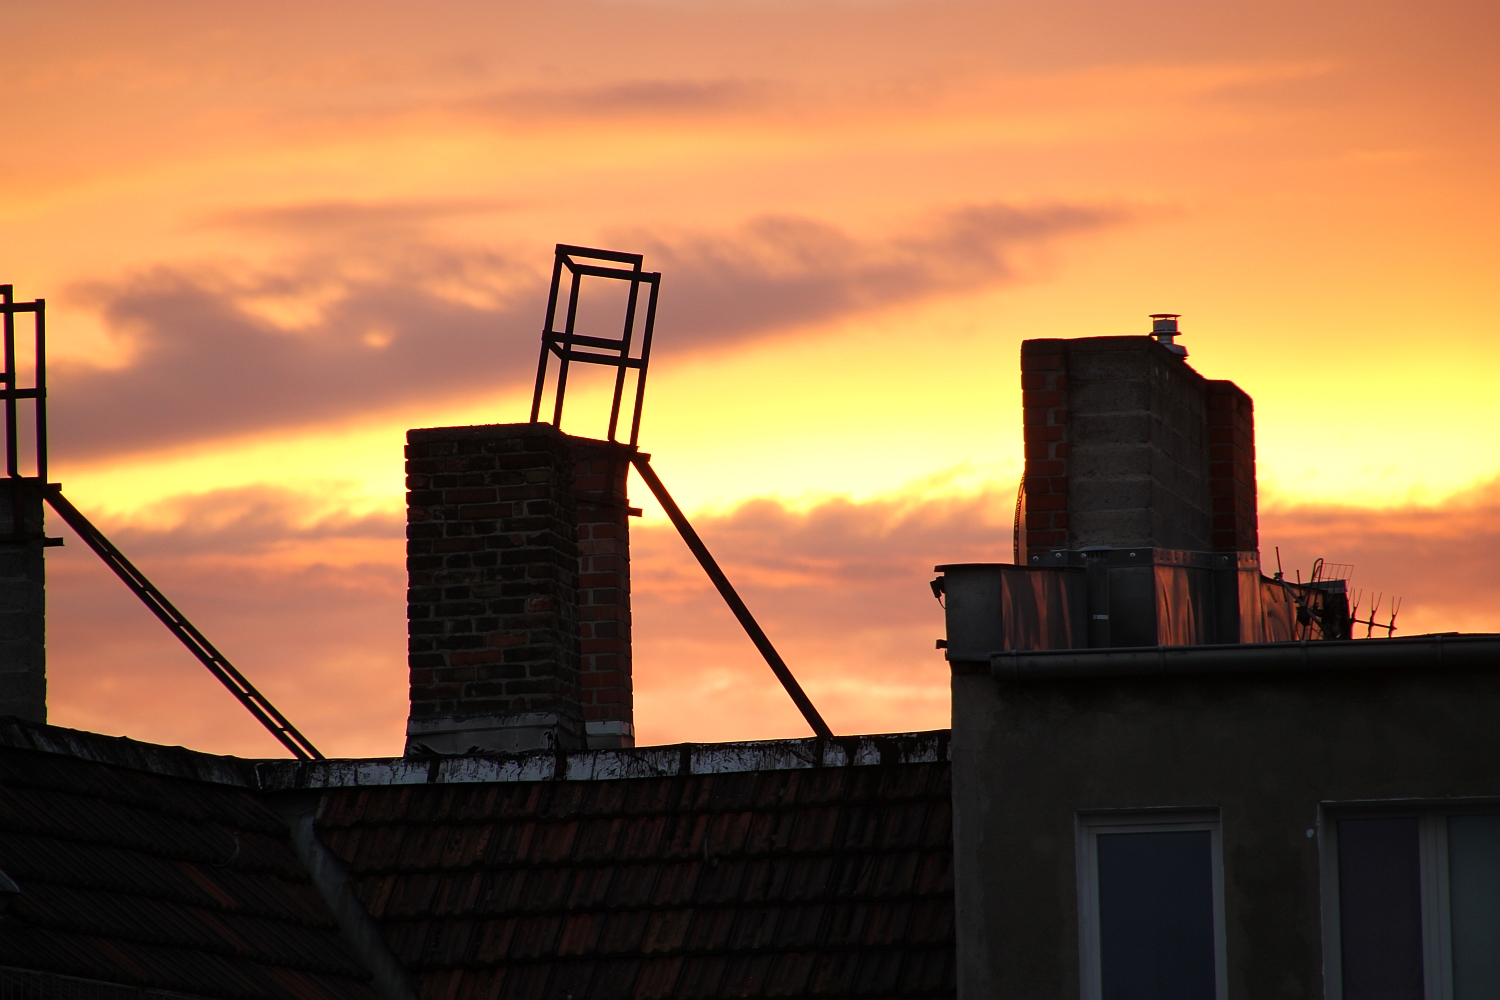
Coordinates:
<point>1231,451</point>
<point>1126,445</point>
<point>23,600</point>
<point>518,595</point>
<point>603,517</point>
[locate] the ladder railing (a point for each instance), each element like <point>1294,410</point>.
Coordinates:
<point>177,623</point>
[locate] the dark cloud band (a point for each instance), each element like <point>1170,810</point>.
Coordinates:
<point>405,317</point>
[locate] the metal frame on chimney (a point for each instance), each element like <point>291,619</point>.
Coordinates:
<point>616,352</point>
<point>611,351</point>
<point>13,394</point>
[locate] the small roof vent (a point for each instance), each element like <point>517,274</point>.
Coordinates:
<point>1164,329</point>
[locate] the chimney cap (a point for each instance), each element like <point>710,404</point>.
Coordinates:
<point>1164,329</point>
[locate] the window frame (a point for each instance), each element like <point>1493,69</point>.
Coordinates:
<point>1432,853</point>
<point>1088,825</point>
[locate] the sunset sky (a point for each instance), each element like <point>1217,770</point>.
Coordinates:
<point>274,236</point>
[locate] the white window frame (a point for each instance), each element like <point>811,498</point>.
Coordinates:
<point>1089,825</point>
<point>1432,853</point>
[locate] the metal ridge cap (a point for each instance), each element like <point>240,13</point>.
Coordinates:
<point>671,760</point>
<point>1432,651</point>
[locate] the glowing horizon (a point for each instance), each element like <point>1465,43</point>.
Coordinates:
<point>273,237</point>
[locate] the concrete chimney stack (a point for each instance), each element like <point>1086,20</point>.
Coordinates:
<point>518,598</point>
<point>1126,445</point>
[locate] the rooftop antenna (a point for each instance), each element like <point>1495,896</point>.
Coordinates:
<point>1369,621</point>
<point>619,353</point>
<point>1164,329</point>
<point>13,395</point>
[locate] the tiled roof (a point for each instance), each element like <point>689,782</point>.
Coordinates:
<point>816,881</point>
<point>153,880</point>
<point>786,868</point>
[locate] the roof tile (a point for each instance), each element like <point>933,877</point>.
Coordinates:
<point>449,942</point>
<point>745,975</point>
<point>525,982</point>
<point>554,842</point>
<point>480,984</point>
<point>536,938</point>
<point>623,933</point>
<point>676,883</point>
<point>614,979</point>
<point>572,979</point>
<point>710,929</point>
<point>641,837</point>
<point>931,921</point>
<point>789,974</point>
<point>934,873</point>
<point>590,887</point>
<point>845,924</point>
<point>511,842</point>
<point>407,939</point>
<point>877,973</point>
<point>800,927</point>
<point>633,885</point>
<point>501,891</point>
<point>922,971</point>
<point>657,978</point>
<point>415,846</point>
<point>833,973</point>
<point>597,839</point>
<point>494,939</point>
<point>466,846</point>
<point>666,931</point>
<point>754,928</point>
<point>700,977</point>
<point>580,932</point>
<point>886,926</point>
<point>647,797</point>
<point>381,848</point>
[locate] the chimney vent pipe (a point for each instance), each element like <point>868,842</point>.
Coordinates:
<point>1164,329</point>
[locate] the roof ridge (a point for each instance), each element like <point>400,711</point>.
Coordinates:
<point>122,751</point>
<point>671,760</point>
<point>667,761</point>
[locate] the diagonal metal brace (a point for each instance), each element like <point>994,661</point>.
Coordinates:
<point>778,666</point>
<point>183,629</point>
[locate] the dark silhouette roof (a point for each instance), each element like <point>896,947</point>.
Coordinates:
<point>829,882</point>
<point>790,868</point>
<point>150,880</point>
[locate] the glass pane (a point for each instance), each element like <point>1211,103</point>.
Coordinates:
<point>1474,900</point>
<point>1156,915</point>
<point>1380,908</point>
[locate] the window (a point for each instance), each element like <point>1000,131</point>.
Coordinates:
<point>1411,903</point>
<point>1151,906</point>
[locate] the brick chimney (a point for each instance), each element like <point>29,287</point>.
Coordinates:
<point>23,619</point>
<point>1127,445</point>
<point>518,600</point>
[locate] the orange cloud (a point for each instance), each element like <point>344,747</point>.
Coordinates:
<point>392,314</point>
